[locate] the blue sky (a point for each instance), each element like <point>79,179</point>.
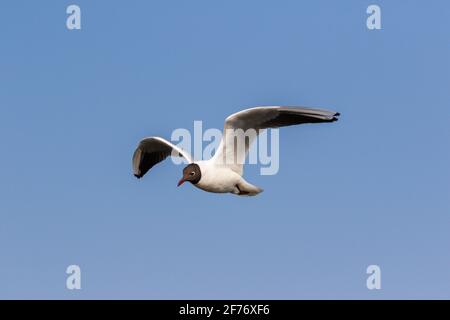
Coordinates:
<point>372,188</point>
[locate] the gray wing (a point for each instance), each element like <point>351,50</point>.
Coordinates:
<point>153,150</point>
<point>260,118</point>
<point>275,117</point>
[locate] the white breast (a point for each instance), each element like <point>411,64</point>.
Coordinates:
<point>217,179</point>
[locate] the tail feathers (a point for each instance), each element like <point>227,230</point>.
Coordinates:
<point>243,188</point>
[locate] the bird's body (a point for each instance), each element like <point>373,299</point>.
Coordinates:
<point>223,173</point>
<point>222,179</point>
<point>218,179</point>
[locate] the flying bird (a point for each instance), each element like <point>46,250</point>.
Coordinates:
<point>217,174</point>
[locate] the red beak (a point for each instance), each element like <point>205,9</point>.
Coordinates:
<point>180,182</point>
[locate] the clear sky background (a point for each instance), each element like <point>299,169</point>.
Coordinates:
<point>372,188</point>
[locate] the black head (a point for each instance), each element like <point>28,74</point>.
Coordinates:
<point>191,173</point>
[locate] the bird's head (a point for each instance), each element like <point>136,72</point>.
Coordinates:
<point>191,173</point>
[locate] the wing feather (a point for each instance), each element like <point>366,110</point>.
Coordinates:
<point>260,118</point>
<point>152,151</point>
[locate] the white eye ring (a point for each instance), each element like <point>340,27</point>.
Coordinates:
<point>192,173</point>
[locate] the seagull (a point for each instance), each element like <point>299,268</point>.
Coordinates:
<point>217,174</point>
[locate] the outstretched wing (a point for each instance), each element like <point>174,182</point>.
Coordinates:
<point>260,118</point>
<point>153,150</point>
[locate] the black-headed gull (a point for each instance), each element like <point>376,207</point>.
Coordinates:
<point>220,174</point>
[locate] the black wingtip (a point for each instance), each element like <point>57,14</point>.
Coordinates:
<point>137,176</point>
<point>335,116</point>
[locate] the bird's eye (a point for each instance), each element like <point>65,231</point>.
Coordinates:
<point>192,173</point>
